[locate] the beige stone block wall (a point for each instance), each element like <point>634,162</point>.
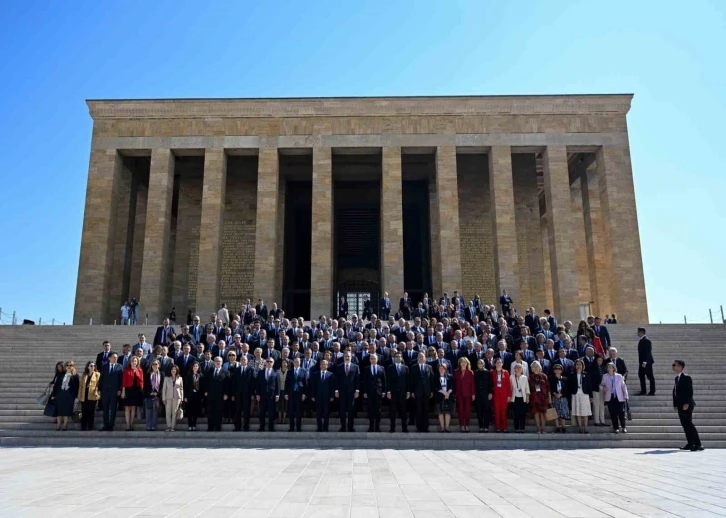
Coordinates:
<point>563,263</point>
<point>391,222</point>
<point>137,252</point>
<point>321,280</point>
<point>548,297</point>
<point>238,242</point>
<point>212,222</point>
<point>280,245</point>
<point>504,234</point>
<point>598,259</point>
<point>475,229</point>
<point>580,244</point>
<point>447,194</point>
<point>435,230</point>
<point>189,213</point>
<point>122,244</point>
<point>156,262</point>
<point>622,242</point>
<point>268,179</point>
<point>529,233</point>
<point>97,241</point>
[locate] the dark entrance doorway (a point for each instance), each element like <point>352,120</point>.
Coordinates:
<point>416,169</point>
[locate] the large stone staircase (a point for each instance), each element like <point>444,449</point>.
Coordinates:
<point>28,355</point>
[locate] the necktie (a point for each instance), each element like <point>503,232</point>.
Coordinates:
<point>398,368</point>
<point>322,376</point>
<point>216,372</point>
<point>346,369</point>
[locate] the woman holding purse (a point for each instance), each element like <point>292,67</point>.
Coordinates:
<point>153,382</point>
<point>173,395</point>
<point>88,395</point>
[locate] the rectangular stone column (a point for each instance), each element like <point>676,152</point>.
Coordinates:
<point>434,234</point>
<point>155,268</point>
<point>268,182</point>
<point>447,207</point>
<point>578,220</point>
<point>597,259</point>
<point>97,241</point>
<point>620,221</point>
<point>392,223</point>
<point>547,279</point>
<point>501,192</point>
<point>321,277</point>
<point>210,237</point>
<point>561,233</point>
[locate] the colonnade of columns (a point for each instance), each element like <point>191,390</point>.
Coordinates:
<point>608,204</point>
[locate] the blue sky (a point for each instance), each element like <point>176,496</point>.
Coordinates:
<point>669,54</point>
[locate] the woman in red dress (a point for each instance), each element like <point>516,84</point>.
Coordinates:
<point>465,392</point>
<point>501,389</point>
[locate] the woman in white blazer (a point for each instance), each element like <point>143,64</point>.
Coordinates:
<point>172,395</point>
<point>520,397</point>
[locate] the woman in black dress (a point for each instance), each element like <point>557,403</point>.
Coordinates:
<point>60,371</point>
<point>193,396</point>
<point>482,401</point>
<point>65,392</point>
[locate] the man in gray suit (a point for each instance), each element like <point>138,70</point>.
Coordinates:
<point>110,384</point>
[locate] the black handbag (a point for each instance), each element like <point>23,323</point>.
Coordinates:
<point>50,410</point>
<point>76,417</point>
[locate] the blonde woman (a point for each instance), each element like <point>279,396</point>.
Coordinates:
<point>65,392</point>
<point>88,395</point>
<point>520,397</point>
<point>518,360</point>
<point>539,390</point>
<point>173,395</point>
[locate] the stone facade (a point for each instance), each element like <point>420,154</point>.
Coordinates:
<point>193,237</point>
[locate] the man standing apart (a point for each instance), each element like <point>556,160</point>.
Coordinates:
<point>347,390</point>
<point>216,393</point>
<point>683,402</point>
<point>645,363</point>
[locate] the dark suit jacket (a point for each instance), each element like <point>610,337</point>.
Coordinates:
<point>374,385</point>
<point>421,380</point>
<point>620,367</point>
<point>572,384</point>
<point>322,388</point>
<point>604,334</point>
<point>683,391</point>
<point>268,387</point>
<point>100,362</point>
<point>160,332</point>
<point>302,381</point>
<point>147,385</point>
<point>110,382</point>
<point>482,385</point>
<point>395,384</point>
<point>347,384</point>
<point>645,351</point>
<point>437,386</point>
<point>184,369</point>
<point>243,385</point>
<point>261,311</point>
<point>216,386</point>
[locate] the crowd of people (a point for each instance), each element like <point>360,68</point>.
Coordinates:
<point>449,358</point>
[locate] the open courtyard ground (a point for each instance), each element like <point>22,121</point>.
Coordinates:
<point>250,483</point>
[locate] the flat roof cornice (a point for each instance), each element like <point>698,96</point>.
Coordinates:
<point>359,106</point>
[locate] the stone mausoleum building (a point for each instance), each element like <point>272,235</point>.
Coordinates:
<point>194,202</point>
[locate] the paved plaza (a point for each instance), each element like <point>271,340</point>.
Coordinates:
<point>116,483</point>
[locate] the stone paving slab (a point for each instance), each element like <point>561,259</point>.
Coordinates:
<point>360,483</point>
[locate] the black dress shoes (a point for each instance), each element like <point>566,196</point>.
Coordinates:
<point>686,447</point>
<point>697,448</point>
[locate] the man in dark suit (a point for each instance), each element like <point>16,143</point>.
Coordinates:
<point>385,308</point>
<point>197,330</point>
<point>261,309</point>
<point>374,387</point>
<point>506,302</point>
<point>342,308</point>
<point>102,357</point>
<point>602,332</point>
<point>620,366</point>
<point>216,392</point>
<point>397,391</point>
<point>163,332</point>
<point>684,403</point>
<point>185,361</point>
<point>502,353</point>
<point>268,394</point>
<point>322,392</point>
<point>110,383</point>
<point>421,381</point>
<point>347,389</point>
<point>404,306</point>
<point>243,390</point>
<point>296,386</point>
<point>645,363</point>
